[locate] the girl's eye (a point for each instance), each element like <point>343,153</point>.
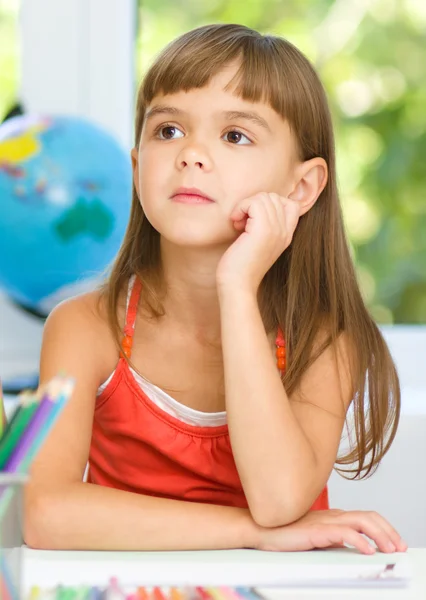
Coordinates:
<point>168,132</point>
<point>237,138</point>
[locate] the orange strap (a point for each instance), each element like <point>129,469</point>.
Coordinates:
<point>132,310</point>
<point>279,340</point>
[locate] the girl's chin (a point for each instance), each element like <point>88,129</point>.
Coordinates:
<point>198,235</point>
<point>197,240</point>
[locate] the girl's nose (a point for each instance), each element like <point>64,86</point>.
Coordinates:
<point>195,156</point>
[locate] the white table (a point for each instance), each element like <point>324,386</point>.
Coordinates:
<point>204,568</point>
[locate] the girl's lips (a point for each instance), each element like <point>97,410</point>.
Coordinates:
<point>191,195</point>
<point>185,198</point>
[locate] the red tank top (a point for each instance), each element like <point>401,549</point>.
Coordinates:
<point>138,447</point>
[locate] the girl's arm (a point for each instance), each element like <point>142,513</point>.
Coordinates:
<point>284,450</point>
<point>83,516</point>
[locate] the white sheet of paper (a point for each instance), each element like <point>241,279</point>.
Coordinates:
<point>210,568</point>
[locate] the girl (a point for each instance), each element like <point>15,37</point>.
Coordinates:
<point>216,366</point>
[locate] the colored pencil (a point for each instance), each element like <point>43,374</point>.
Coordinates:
<point>216,593</point>
<point>57,393</point>
<point>66,593</point>
<point>12,419</point>
<point>35,593</point>
<point>247,592</point>
<point>158,594</point>
<point>27,436</point>
<point>16,427</point>
<point>2,411</point>
<point>95,594</point>
<point>177,594</point>
<point>4,592</point>
<point>8,589</point>
<point>203,593</point>
<point>114,592</point>
<point>232,594</point>
<point>62,393</point>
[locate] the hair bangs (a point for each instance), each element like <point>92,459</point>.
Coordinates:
<point>189,62</point>
<point>193,60</point>
<point>261,78</point>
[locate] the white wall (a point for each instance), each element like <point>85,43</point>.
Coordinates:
<point>398,489</point>
<point>78,58</point>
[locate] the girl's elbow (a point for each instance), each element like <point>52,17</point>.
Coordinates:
<point>33,532</point>
<point>39,530</point>
<point>32,538</point>
<point>269,514</point>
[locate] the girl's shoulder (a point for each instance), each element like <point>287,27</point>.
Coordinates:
<point>88,310</point>
<point>81,324</point>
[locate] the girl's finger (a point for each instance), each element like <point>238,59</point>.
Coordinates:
<point>275,215</point>
<point>364,523</point>
<point>394,536</point>
<point>242,209</point>
<point>247,207</point>
<point>341,535</point>
<point>281,203</point>
<point>287,213</point>
<point>240,225</point>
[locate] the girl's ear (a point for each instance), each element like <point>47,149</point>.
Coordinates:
<point>311,177</point>
<point>135,168</point>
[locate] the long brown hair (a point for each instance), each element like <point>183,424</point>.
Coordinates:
<point>314,280</point>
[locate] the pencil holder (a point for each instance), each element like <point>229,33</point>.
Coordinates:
<point>11,486</point>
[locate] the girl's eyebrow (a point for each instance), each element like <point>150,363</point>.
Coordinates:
<point>161,109</point>
<point>230,115</point>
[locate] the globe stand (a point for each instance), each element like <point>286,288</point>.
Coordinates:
<point>15,385</point>
<point>29,310</point>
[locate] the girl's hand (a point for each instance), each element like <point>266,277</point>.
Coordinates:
<point>331,529</point>
<point>267,222</point>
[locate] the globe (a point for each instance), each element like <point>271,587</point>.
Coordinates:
<point>65,190</point>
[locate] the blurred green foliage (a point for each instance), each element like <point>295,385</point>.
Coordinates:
<point>371,57</point>
<point>9,55</point>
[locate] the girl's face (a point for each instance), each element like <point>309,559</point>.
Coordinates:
<point>210,140</point>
